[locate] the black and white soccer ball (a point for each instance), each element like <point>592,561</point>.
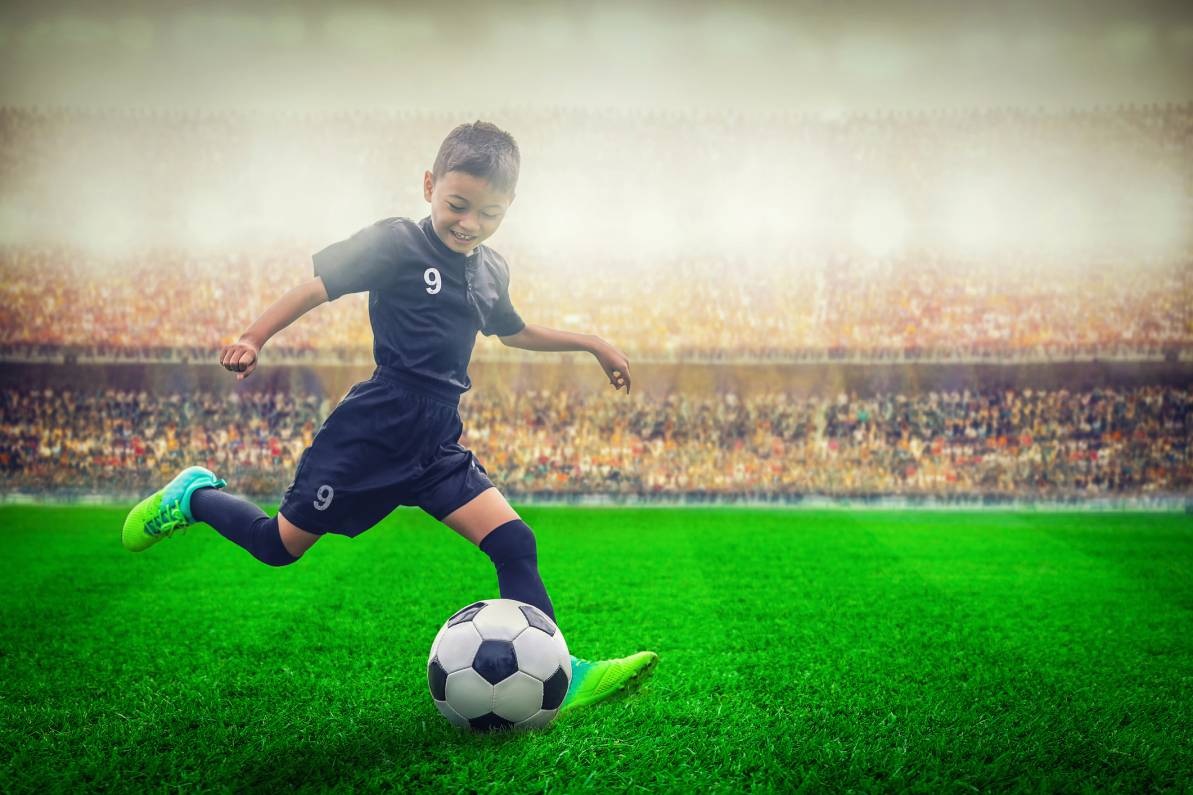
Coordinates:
<point>499,664</point>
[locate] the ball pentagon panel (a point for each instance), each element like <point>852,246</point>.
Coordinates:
<point>466,614</point>
<point>538,619</point>
<point>490,722</point>
<point>555,688</point>
<point>436,679</point>
<point>495,660</point>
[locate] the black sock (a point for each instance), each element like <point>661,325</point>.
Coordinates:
<point>512,549</point>
<point>242,523</point>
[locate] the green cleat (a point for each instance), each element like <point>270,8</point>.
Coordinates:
<point>597,681</point>
<point>164,512</point>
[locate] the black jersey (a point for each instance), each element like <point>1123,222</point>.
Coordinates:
<point>426,302</point>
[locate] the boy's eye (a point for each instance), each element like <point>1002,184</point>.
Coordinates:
<point>491,216</point>
<point>454,207</point>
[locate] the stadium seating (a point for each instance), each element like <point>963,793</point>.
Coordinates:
<point>157,237</point>
<point>743,283</point>
<point>1001,443</point>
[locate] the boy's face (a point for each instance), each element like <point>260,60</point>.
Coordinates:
<point>465,210</point>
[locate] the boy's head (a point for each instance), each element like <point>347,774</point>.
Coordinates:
<point>471,184</point>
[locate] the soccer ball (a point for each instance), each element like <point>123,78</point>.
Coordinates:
<point>499,664</point>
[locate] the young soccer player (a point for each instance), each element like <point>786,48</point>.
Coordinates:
<point>394,439</point>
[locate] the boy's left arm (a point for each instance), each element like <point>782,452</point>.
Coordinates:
<point>541,338</point>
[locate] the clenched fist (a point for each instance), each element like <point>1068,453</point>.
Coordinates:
<point>240,357</point>
<point>614,363</point>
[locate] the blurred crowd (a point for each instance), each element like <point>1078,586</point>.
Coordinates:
<point>175,305</point>
<point>1117,442</point>
<point>997,233</point>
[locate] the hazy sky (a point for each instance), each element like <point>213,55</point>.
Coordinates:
<point>848,55</point>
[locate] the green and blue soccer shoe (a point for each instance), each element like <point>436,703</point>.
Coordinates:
<point>593,682</point>
<point>163,513</point>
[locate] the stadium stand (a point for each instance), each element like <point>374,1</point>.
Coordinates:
<point>55,302</point>
<point>1000,443</point>
<point>781,288</point>
<point>193,271</point>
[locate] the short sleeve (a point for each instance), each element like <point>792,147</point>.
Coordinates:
<point>504,320</point>
<point>366,261</point>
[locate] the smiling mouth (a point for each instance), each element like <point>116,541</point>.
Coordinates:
<point>463,238</point>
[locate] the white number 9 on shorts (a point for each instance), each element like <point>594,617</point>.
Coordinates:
<point>323,497</point>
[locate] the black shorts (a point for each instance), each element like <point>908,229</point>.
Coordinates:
<point>383,446</point>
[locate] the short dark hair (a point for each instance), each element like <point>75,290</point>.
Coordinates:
<point>483,150</point>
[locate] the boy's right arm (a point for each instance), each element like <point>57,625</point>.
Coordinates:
<point>241,356</point>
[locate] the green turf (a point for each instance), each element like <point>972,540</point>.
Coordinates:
<point>834,650</point>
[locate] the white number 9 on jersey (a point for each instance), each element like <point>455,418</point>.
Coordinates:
<point>431,277</point>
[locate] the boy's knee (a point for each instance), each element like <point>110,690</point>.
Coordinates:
<point>269,547</point>
<point>294,539</point>
<point>510,541</point>
<point>287,554</point>
<point>280,556</point>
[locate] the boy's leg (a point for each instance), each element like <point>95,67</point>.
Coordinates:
<point>275,541</point>
<point>488,521</point>
<point>297,540</point>
<point>194,495</point>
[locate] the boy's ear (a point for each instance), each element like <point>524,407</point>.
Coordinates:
<point>428,185</point>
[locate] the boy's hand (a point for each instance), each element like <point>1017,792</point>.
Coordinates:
<point>617,367</point>
<point>240,357</point>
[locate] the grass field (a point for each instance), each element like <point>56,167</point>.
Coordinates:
<point>925,651</point>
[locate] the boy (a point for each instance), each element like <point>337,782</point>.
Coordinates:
<point>394,439</point>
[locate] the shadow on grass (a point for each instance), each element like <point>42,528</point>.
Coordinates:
<point>373,751</point>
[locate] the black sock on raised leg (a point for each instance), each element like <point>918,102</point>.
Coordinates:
<point>242,523</point>
<point>512,549</point>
